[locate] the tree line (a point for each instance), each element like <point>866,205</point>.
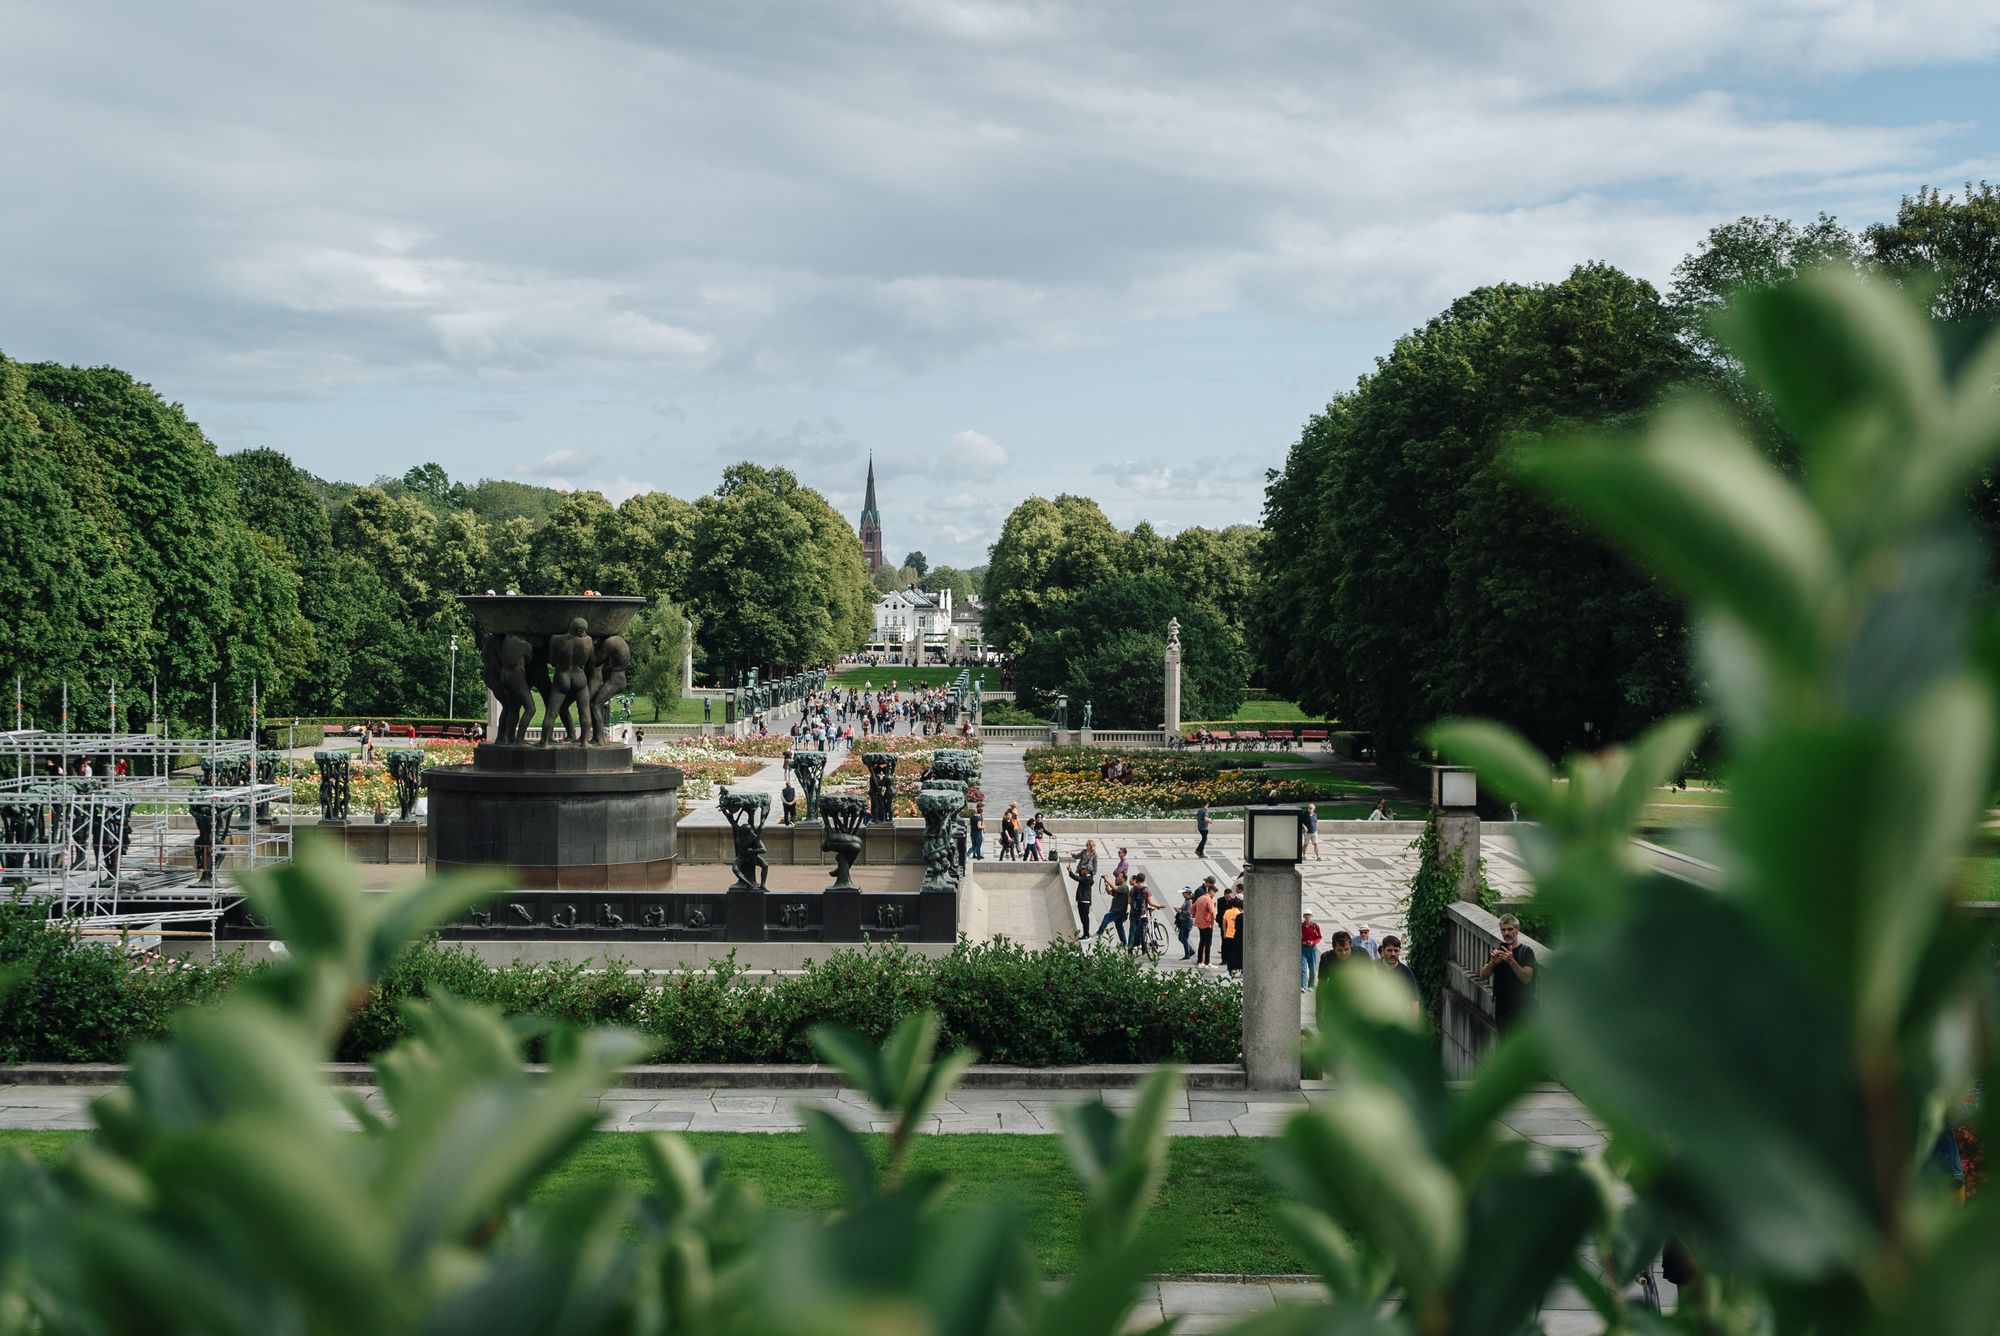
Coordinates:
<point>1406,575</point>
<point>138,552</point>
<point>1083,607</point>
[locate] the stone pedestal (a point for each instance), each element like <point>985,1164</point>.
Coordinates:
<point>1272,900</point>
<point>1458,836</point>
<point>743,916</point>
<point>563,818</point>
<point>937,916</point>
<point>841,915</point>
<point>1083,737</point>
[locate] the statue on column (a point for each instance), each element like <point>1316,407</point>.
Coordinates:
<point>939,807</point>
<point>843,814</point>
<point>334,782</point>
<point>810,768</point>
<point>406,767</point>
<point>746,814</point>
<point>881,785</point>
<point>610,659</point>
<point>1086,716</point>
<point>569,655</point>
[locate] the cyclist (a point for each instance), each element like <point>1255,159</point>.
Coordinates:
<point>1143,903</point>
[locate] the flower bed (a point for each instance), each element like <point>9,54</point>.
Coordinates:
<point>1146,766</point>
<point>911,762</point>
<point>702,768</point>
<point>1086,793</point>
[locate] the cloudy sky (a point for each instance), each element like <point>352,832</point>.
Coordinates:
<point>1121,248</point>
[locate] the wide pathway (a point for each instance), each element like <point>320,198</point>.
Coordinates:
<point>1553,1118</point>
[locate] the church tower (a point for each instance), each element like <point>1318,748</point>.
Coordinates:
<point>871,524</point>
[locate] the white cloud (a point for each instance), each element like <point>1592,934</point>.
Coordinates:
<point>976,451</point>
<point>624,489</point>
<point>563,461</point>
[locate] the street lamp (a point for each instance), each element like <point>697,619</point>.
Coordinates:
<point>1454,786</point>
<point>1272,835</point>
<point>451,692</point>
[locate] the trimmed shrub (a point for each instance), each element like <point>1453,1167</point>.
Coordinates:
<point>1054,1006</point>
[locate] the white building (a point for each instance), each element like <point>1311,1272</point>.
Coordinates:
<point>913,625</point>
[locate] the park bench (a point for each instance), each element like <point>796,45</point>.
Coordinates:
<point>1318,735</point>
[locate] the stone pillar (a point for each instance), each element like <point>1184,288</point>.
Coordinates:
<point>1458,835</point>
<point>492,716</point>
<point>1173,702</point>
<point>687,670</point>
<point>1272,900</point>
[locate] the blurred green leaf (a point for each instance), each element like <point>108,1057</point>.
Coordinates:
<point>1522,1229</point>
<point>1648,1019</point>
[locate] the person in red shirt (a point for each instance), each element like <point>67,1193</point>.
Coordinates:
<point>1204,921</point>
<point>1308,954</point>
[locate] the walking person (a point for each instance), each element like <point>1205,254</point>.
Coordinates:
<point>1204,922</point>
<point>1309,936</point>
<point>1120,905</point>
<point>1184,922</point>
<point>1311,839</point>
<point>1084,874</point>
<point>790,795</point>
<point>977,825</point>
<point>1365,944</point>
<point>1010,833</point>
<point>1201,828</point>
<point>1034,854</point>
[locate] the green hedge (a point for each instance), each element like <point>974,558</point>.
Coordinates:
<point>1049,1007</point>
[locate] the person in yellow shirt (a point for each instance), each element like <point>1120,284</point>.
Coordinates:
<point>1232,931</point>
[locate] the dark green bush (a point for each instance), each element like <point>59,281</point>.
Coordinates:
<point>82,1002</point>
<point>79,999</point>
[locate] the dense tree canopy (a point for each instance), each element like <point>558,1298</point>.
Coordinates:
<point>776,579</point>
<point>135,549</point>
<point>1084,609</point>
<point>1406,576</point>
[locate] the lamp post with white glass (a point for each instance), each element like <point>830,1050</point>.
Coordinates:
<point>1455,797</point>
<point>1273,896</point>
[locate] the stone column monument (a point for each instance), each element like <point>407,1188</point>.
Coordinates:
<point>1173,714</point>
<point>687,670</point>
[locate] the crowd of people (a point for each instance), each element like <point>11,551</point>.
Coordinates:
<point>838,715</point>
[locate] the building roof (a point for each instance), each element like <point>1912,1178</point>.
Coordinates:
<point>868,512</point>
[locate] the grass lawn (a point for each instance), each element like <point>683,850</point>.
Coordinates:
<point>686,711</point>
<point>1214,1213</point>
<point>906,676</point>
<point>1982,877</point>
<point>1360,811</point>
<point>1257,712</point>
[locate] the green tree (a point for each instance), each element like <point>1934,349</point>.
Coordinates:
<point>947,577</point>
<point>917,562</point>
<point>777,579</point>
<point>510,547</point>
<point>1218,569</point>
<point>431,485</point>
<point>76,608</point>
<point>655,538</point>
<point>1950,249</point>
<point>1046,552</point>
<point>170,494</point>
<point>1406,575</point>
<point>1108,646</point>
<point>577,548</point>
<point>1747,255</point>
<point>660,639</point>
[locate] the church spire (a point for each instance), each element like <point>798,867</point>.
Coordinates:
<point>871,523</point>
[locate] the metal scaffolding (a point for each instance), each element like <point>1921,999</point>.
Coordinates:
<point>133,830</point>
